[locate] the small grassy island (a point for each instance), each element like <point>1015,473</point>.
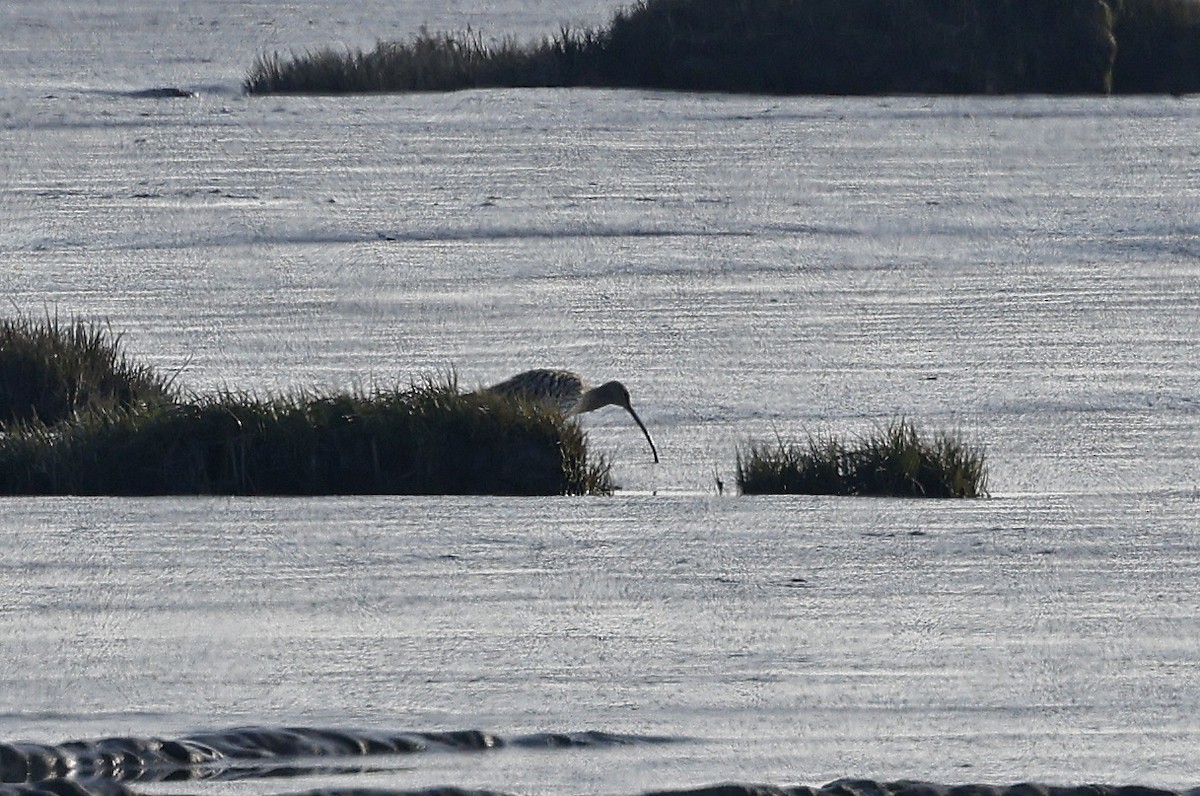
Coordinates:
<point>898,461</point>
<point>76,417</point>
<point>794,47</point>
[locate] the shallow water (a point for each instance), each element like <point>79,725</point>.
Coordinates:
<point>780,640</point>
<point>1024,270</point>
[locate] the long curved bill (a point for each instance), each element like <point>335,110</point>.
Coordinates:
<point>642,426</point>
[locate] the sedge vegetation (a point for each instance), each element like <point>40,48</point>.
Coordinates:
<point>51,371</point>
<point>117,429</point>
<point>794,47</point>
<point>897,461</point>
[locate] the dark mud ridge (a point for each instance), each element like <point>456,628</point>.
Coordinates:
<point>110,766</point>
<point>107,765</point>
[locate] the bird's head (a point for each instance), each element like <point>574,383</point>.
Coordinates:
<point>613,393</point>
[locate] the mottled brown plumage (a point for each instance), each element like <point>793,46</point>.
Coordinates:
<point>565,391</point>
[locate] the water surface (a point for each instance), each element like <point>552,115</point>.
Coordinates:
<point>1023,270</point>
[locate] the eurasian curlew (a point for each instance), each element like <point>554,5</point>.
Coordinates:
<point>567,392</point>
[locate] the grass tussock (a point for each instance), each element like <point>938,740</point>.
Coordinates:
<point>425,440</point>
<point>897,461</point>
<point>53,370</point>
<point>428,62</point>
<point>142,440</point>
<point>795,47</point>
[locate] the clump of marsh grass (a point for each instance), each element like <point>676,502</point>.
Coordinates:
<point>428,439</point>
<point>897,461</point>
<point>53,370</point>
<point>795,47</point>
<point>77,417</point>
<point>427,62</point>
<point>1158,46</point>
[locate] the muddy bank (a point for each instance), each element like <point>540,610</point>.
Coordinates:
<point>253,752</point>
<point>113,766</point>
<point>837,788</point>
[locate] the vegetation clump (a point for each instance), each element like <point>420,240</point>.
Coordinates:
<point>795,47</point>
<point>1158,47</point>
<point>429,62</point>
<point>427,439</point>
<point>51,371</point>
<point>894,462</point>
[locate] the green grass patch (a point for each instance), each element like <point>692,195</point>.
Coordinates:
<point>897,461</point>
<point>428,439</point>
<point>794,47</point>
<point>51,371</point>
<point>82,420</point>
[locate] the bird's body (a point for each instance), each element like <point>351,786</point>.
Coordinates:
<point>559,388</point>
<point>567,392</point>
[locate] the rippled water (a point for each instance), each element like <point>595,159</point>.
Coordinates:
<point>777,640</point>
<point>1024,270</point>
